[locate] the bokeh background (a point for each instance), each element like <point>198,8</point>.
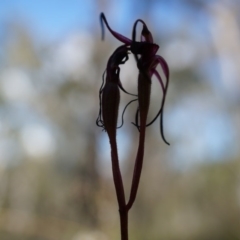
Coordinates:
<point>55,171</point>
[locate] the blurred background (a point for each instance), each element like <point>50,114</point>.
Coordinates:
<point>55,171</point>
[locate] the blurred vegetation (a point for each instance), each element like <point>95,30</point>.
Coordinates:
<point>55,173</point>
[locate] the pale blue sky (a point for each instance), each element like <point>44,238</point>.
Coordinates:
<point>54,18</point>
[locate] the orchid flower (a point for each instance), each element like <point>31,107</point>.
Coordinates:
<point>147,61</point>
<point>120,56</point>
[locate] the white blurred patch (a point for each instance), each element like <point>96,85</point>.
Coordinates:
<point>73,55</point>
<point>95,235</point>
<point>37,141</point>
<point>16,85</point>
<point>181,54</point>
<point>225,32</point>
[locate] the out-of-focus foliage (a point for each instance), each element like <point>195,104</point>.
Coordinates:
<point>55,172</point>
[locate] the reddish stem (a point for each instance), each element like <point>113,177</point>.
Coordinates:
<point>117,177</point>
<point>124,224</point>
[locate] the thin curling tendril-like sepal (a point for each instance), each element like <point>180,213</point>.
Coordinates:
<point>134,100</point>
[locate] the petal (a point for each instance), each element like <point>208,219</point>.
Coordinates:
<point>155,72</point>
<point>119,56</point>
<point>146,35</point>
<point>165,68</point>
<point>164,65</point>
<point>115,34</point>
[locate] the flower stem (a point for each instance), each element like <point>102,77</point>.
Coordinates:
<point>124,223</point>
<point>117,178</point>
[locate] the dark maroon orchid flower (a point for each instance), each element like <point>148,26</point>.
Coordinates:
<point>120,56</point>
<point>147,61</point>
